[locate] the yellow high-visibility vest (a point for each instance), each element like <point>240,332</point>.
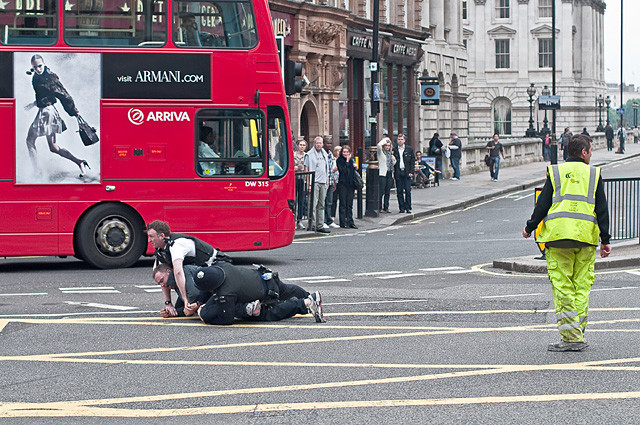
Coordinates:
<point>572,213</point>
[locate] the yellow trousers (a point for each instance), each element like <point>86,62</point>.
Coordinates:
<point>571,275</point>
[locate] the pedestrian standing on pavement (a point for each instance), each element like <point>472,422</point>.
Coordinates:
<point>608,132</point>
<point>573,209</point>
<point>585,132</point>
<point>455,147</point>
<point>386,162</point>
<point>435,150</point>
<point>546,147</point>
<point>403,172</point>
<point>495,150</point>
<point>332,196</point>
<point>621,134</point>
<point>336,176</point>
<point>301,182</point>
<point>317,161</point>
<point>636,133</point>
<point>564,142</point>
<point>347,167</point>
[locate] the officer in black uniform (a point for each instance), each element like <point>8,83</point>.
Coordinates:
<point>178,250</point>
<point>227,290</point>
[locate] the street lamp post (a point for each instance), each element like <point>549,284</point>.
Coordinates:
<point>545,128</point>
<point>599,103</point>
<point>372,167</point>
<point>531,91</point>
<point>635,114</point>
<point>608,102</point>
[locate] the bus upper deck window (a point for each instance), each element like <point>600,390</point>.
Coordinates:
<point>112,24</point>
<point>32,24</point>
<point>214,24</point>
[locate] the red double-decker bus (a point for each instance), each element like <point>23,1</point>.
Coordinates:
<point>114,113</point>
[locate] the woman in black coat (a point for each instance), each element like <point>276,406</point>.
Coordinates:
<point>435,149</point>
<point>346,167</point>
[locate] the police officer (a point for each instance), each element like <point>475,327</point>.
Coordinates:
<point>176,250</point>
<point>226,291</point>
<point>573,209</point>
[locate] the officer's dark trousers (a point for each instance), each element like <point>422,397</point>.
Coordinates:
<point>283,310</point>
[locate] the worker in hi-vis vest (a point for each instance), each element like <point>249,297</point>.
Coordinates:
<point>573,209</point>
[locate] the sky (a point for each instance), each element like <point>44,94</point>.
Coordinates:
<point>631,54</point>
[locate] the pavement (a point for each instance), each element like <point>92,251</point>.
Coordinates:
<point>477,187</point>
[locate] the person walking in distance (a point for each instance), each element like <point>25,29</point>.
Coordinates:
<point>564,142</point>
<point>495,150</point>
<point>622,135</point>
<point>405,163</point>
<point>608,132</point>
<point>317,161</point>
<point>301,193</point>
<point>386,162</point>
<point>574,212</point>
<point>435,150</point>
<point>455,147</point>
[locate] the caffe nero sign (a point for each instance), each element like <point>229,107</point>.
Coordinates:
<point>360,45</point>
<point>156,76</point>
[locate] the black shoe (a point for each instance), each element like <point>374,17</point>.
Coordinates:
<point>353,226</point>
<point>408,211</point>
<point>401,211</point>
<point>343,226</point>
<point>321,230</point>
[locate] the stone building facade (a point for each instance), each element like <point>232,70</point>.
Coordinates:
<point>333,41</point>
<point>509,43</point>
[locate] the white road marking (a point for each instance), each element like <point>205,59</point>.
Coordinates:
<point>614,289</point>
<point>150,288</point>
<point>384,229</point>
<point>327,280</point>
<point>479,221</point>
<point>105,306</point>
<point>377,273</point>
<point>90,290</point>
<point>634,272</point>
<point>396,276</point>
<point>26,294</point>
<point>455,221</point>
<point>85,313</point>
<point>439,269</point>
<point>309,278</point>
<point>512,295</point>
<point>463,271</point>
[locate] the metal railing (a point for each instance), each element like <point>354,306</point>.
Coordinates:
<point>304,198</point>
<point>623,197</point>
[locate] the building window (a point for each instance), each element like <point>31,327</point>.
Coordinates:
<point>544,8</point>
<point>502,53</point>
<point>464,9</point>
<point>545,53</point>
<point>502,116</point>
<point>502,9</point>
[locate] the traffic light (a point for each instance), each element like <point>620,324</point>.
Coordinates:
<point>292,84</point>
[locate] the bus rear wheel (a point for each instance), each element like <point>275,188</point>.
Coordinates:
<point>110,236</point>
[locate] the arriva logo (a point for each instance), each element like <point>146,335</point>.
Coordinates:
<point>136,116</point>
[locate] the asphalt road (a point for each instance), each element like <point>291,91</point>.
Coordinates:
<point>420,329</point>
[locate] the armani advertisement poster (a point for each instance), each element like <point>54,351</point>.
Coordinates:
<point>57,108</point>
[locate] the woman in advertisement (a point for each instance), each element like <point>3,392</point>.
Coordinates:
<point>48,123</point>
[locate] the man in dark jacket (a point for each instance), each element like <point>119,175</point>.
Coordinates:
<point>455,147</point>
<point>176,250</point>
<point>608,132</point>
<point>403,170</point>
<point>224,290</point>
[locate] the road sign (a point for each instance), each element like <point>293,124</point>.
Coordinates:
<point>548,102</point>
<point>429,91</point>
<point>620,111</point>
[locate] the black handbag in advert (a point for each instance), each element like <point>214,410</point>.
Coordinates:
<point>87,133</point>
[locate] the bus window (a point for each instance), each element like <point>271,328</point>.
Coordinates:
<point>229,142</point>
<point>30,23</point>
<point>278,151</point>
<point>111,24</point>
<point>214,24</point>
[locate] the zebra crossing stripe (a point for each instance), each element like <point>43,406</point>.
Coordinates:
<point>396,276</point>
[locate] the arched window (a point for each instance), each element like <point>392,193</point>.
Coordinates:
<point>502,116</point>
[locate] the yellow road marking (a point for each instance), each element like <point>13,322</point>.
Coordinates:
<point>3,323</point>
